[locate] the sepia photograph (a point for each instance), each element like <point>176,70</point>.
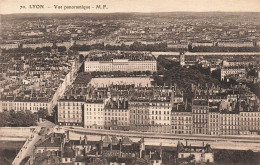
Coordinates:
<point>129,82</point>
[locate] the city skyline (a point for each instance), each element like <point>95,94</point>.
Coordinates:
<point>123,6</point>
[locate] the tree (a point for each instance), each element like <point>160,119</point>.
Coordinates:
<point>81,58</point>
<point>42,113</point>
<point>17,119</point>
<point>4,118</point>
<point>62,49</point>
<point>223,157</point>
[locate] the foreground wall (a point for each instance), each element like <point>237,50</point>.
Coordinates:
<point>15,133</point>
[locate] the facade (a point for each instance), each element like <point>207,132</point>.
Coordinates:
<point>249,122</point>
<point>235,71</point>
<point>9,46</point>
<point>181,122</point>
<point>32,105</point>
<point>116,114</point>
<point>6,104</point>
<point>139,115</point>
<point>70,112</point>
<point>160,116</point>
<point>136,81</point>
<point>214,123</point>
<point>234,63</point>
<point>120,65</point>
<point>235,44</point>
<point>94,114</point>
<point>229,123</point>
<point>200,110</point>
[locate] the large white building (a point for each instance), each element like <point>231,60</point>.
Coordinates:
<point>9,46</point>
<point>6,104</point>
<point>120,65</point>
<point>33,105</point>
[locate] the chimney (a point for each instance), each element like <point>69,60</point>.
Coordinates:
<point>186,104</point>
<point>120,147</point>
<point>101,146</point>
<point>161,150</point>
<point>125,104</point>
<point>52,139</point>
<point>76,151</point>
<point>85,140</point>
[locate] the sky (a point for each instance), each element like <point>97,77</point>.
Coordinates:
<point>14,6</point>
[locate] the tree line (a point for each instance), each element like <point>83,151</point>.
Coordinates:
<point>136,46</point>
<point>37,50</point>
<point>21,118</point>
<point>223,49</point>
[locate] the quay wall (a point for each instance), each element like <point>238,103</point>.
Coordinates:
<point>15,133</point>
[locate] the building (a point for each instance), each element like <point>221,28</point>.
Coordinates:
<point>116,114</point>
<point>200,110</point>
<point>234,44</point>
<point>194,154</point>
<point>70,111</point>
<point>181,120</point>
<point>232,71</point>
<point>214,122</point>
<point>6,103</point>
<point>229,123</point>
<point>160,116</point>
<point>136,81</point>
<point>94,114</point>
<point>249,122</point>
<point>32,104</point>
<point>9,46</point>
<point>53,142</point>
<point>139,115</point>
<point>120,61</point>
<point>120,65</point>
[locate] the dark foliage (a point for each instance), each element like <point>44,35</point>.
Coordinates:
<point>170,73</point>
<point>227,157</point>
<point>224,49</point>
<point>17,119</point>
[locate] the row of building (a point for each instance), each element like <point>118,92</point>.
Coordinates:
<point>60,148</point>
<point>161,110</point>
